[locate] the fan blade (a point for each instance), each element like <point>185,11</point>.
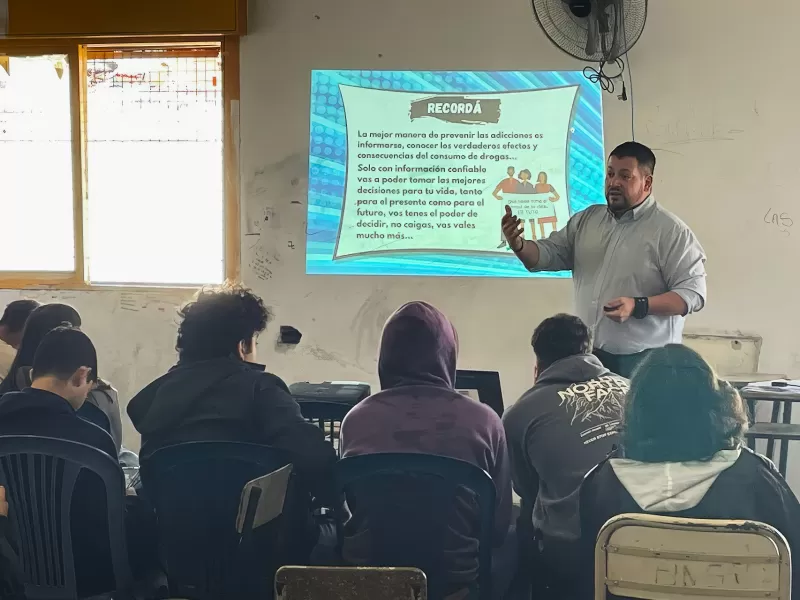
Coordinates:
<point>592,32</point>
<point>618,44</point>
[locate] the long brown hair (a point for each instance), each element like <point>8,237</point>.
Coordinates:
<point>678,410</point>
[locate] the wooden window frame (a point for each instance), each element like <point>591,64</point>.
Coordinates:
<point>77,50</point>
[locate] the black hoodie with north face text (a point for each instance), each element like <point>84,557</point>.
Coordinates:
<point>561,428</point>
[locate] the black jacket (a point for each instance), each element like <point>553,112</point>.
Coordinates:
<point>41,413</point>
<point>227,399</point>
<point>747,488</point>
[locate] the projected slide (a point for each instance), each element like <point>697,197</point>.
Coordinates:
<point>409,172</point>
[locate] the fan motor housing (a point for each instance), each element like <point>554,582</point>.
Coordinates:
<point>580,8</point>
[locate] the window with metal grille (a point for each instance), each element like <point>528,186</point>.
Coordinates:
<point>155,208</point>
<point>113,163</point>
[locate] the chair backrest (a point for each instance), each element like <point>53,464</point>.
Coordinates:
<point>408,502</point>
<point>40,476</point>
<point>196,489</point>
<point>328,416</point>
<point>350,583</point>
<point>654,557</point>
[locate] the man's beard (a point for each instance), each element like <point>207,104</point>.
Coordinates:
<point>617,202</point>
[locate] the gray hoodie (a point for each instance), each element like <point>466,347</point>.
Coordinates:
<point>671,487</point>
<point>558,431</point>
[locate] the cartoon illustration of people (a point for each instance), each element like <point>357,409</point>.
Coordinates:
<point>525,186</point>
<point>507,186</point>
<point>542,187</point>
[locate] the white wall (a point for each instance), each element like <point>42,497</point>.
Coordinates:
<point>720,114</point>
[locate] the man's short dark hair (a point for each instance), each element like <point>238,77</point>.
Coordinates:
<point>558,337</point>
<point>643,155</point>
<point>16,313</point>
<point>217,320</point>
<point>63,351</point>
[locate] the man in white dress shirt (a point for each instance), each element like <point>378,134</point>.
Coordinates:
<point>638,270</point>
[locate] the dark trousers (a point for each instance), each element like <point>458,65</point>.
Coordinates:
<point>621,364</point>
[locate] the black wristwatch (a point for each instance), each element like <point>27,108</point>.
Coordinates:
<point>640,308</point>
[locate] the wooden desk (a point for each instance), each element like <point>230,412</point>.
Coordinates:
<point>772,431</point>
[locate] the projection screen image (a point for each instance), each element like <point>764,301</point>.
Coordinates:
<point>410,171</point>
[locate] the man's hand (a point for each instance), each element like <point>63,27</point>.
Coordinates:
<point>620,310</point>
<point>3,503</point>
<point>553,199</point>
<point>512,230</point>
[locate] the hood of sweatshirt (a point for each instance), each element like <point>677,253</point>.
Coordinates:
<point>670,486</point>
<point>573,369</point>
<point>419,346</point>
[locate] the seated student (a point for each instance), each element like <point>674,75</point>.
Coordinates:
<point>419,411</point>
<point>102,405</point>
<point>561,428</point>
<point>217,392</point>
<point>64,373</point>
<point>11,325</point>
<point>682,454</point>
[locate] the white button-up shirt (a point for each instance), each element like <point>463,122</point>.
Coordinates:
<point>646,252</point>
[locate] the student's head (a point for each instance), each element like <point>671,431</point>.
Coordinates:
<point>65,363</point>
<point>419,346</point>
<point>629,176</point>
<point>559,337</point>
<point>678,410</point>
<point>221,322</point>
<point>13,320</point>
<point>542,178</point>
<point>525,175</point>
<point>511,171</point>
<point>41,322</point>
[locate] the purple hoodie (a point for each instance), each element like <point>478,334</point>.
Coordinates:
<point>419,411</point>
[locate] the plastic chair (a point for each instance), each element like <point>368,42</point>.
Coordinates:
<point>196,489</point>
<point>350,583</point>
<point>655,557</point>
<point>408,500</point>
<point>40,475</point>
<point>328,416</point>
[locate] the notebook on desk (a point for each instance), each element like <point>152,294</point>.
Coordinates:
<point>777,386</point>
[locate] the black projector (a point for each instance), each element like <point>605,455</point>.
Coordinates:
<point>340,392</point>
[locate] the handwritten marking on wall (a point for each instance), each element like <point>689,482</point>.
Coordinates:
<point>261,263</point>
<point>260,268</point>
<point>160,301</point>
<point>782,221</point>
<point>128,302</point>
